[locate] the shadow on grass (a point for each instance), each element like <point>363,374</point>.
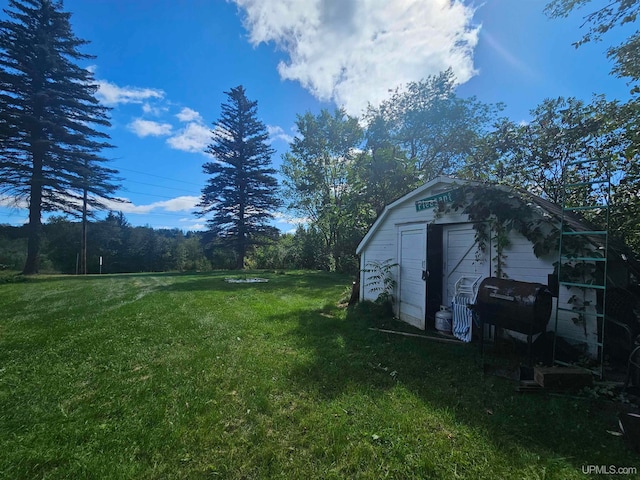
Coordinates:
<point>347,356</point>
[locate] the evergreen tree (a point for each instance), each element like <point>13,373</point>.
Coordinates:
<point>241,193</point>
<point>49,145</point>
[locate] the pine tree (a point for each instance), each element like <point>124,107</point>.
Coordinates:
<point>241,193</point>
<point>49,145</point>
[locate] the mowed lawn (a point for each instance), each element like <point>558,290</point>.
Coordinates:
<point>187,376</point>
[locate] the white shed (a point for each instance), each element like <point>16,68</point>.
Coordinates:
<point>432,252</point>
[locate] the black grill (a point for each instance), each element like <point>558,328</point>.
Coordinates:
<point>519,306</point>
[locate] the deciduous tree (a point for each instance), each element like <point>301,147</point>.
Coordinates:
<point>317,171</point>
<point>383,173</point>
<point>602,18</point>
<point>436,129</point>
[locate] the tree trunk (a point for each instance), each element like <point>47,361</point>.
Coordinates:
<point>241,255</point>
<point>242,251</point>
<point>242,236</point>
<point>83,261</point>
<point>34,228</point>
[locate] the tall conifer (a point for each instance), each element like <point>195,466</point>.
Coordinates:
<point>49,143</point>
<point>241,192</point>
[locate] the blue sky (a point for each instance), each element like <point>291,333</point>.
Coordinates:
<point>164,65</point>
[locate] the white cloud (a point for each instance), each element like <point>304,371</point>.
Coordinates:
<point>179,204</point>
<point>153,110</point>
<point>194,137</point>
<point>189,115</point>
<point>13,202</point>
<point>194,224</point>
<point>145,128</point>
<point>278,133</point>
<point>111,94</point>
<point>354,51</point>
<point>288,219</point>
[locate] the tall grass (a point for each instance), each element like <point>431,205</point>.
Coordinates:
<point>187,376</point>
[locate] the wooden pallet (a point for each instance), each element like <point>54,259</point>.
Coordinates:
<point>529,386</point>
<point>562,378</point>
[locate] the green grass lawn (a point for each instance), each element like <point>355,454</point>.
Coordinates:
<point>187,376</point>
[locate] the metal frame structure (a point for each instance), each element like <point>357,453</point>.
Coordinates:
<point>596,242</point>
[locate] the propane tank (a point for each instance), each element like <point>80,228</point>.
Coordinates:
<point>444,319</point>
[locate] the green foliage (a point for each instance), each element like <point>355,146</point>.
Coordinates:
<point>342,186</point>
<point>122,247</point>
<point>280,254</point>
<point>317,177</point>
<point>7,276</point>
<point>495,211</point>
<point>534,156</point>
<point>600,20</point>
<point>435,128</point>
<point>12,249</point>
<point>381,174</point>
<point>241,192</point>
<point>625,202</point>
<point>305,249</point>
<point>314,252</point>
<point>381,279</point>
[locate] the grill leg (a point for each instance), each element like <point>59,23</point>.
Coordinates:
<point>481,323</point>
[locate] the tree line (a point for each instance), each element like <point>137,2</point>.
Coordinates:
<point>339,173</point>
<point>115,246</point>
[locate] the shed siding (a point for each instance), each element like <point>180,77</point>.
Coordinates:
<point>522,264</point>
<point>461,258</point>
<point>383,244</point>
<point>520,261</point>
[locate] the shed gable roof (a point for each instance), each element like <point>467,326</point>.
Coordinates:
<point>438,184</point>
<point>553,212</point>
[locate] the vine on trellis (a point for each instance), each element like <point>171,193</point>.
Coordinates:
<point>495,212</point>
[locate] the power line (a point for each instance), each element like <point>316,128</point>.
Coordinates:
<point>155,195</point>
<point>160,186</point>
<point>159,176</point>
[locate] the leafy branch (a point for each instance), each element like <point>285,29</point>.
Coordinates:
<point>381,279</point>
<point>495,212</point>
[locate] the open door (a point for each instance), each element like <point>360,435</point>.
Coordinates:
<point>412,285</point>
<point>434,266</point>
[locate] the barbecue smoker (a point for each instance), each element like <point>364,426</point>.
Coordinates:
<point>519,306</point>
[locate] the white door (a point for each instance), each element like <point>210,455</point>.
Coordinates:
<point>461,258</point>
<point>412,288</point>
